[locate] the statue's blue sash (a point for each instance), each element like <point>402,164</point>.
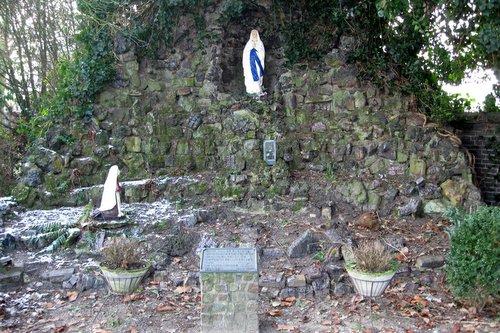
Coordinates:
<point>254,61</point>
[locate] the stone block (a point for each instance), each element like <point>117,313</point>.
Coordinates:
<point>300,246</point>
<point>296,281</point>
<point>189,220</point>
<point>418,166</point>
<point>8,241</point>
<point>272,280</point>
<point>321,283</point>
<point>454,191</point>
<point>347,253</point>
<point>334,271</point>
<point>318,99</point>
<point>413,207</point>
<point>435,207</point>
<point>192,279</point>
<point>11,276</point>
<point>273,252</point>
<point>289,292</point>
<point>312,273</point>
<point>154,86</point>
<point>430,261</point>
<point>326,212</point>
<point>359,99</point>
<point>58,275</point>
<point>341,289</point>
<point>133,144</point>
<point>5,261</point>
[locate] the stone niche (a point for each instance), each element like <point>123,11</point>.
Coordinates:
<point>235,36</point>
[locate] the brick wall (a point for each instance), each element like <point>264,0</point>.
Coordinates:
<point>229,302</point>
<point>480,134</point>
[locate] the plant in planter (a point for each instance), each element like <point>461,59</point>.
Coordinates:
<point>373,268</point>
<point>122,265</point>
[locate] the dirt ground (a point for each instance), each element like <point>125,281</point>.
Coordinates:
<point>416,301</point>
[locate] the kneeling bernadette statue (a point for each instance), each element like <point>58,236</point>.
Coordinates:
<point>253,64</point>
<point>110,202</point>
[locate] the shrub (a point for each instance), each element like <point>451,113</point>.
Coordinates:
<point>10,150</point>
<point>122,253</point>
<point>373,257</point>
<point>472,266</point>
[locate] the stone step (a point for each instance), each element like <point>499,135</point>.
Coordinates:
<point>151,189</point>
<point>11,276</point>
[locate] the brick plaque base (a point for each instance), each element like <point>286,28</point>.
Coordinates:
<point>229,302</point>
<point>229,291</point>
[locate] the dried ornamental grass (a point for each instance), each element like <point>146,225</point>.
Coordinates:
<point>373,257</point>
<point>122,253</point>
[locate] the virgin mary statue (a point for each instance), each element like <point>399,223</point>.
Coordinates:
<point>253,64</point>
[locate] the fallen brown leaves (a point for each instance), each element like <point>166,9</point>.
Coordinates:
<point>274,313</point>
<point>165,308</point>
<point>288,301</point>
<point>60,329</point>
<point>100,330</point>
<point>403,254</point>
<point>177,260</point>
<point>281,327</point>
<point>182,290</point>
<point>133,297</point>
<point>72,295</point>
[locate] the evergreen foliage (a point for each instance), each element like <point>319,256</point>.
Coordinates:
<point>472,267</point>
<point>78,80</point>
<point>10,148</point>
<point>57,234</point>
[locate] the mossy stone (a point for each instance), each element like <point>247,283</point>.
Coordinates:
<point>114,98</point>
<point>333,63</point>
<point>154,86</point>
<point>135,193</point>
<point>57,164</point>
<point>359,99</point>
<point>436,207</point>
<point>183,82</point>
<point>454,191</point>
<point>135,164</point>
<point>354,191</point>
<point>187,103</point>
<point>418,166</point>
<point>133,144</point>
<point>318,99</point>
<point>24,195</point>
<point>374,200</point>
<point>182,147</point>
<point>340,98</point>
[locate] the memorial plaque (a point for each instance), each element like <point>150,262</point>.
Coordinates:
<point>228,260</point>
<point>269,148</point>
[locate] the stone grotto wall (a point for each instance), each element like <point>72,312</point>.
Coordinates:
<point>185,112</point>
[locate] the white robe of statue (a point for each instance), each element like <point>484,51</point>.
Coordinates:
<point>253,81</point>
<point>111,194</point>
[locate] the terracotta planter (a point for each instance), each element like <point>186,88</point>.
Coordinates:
<point>124,281</point>
<point>370,284</point>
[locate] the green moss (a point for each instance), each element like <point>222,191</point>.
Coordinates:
<point>22,193</point>
<point>183,82</point>
<point>227,190</point>
<point>297,206</point>
<point>184,161</point>
<point>198,188</point>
